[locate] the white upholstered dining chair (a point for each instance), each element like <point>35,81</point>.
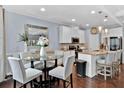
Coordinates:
<point>21,74</point>
<point>63,72</point>
<point>27,63</point>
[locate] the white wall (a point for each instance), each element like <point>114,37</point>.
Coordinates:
<point>15,25</point>
<point>92,40</point>
<point>2,47</point>
<point>114,32</point>
<point>118,32</point>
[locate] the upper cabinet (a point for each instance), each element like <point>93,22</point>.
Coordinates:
<point>66,34</point>
<point>81,34</point>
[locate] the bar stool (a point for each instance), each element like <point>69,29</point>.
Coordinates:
<point>105,66</point>
<point>116,62</point>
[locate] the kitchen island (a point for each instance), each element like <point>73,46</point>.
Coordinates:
<point>90,58</point>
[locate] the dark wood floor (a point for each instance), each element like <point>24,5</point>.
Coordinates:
<point>79,82</point>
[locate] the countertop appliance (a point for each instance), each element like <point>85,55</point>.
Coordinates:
<point>72,47</point>
<point>75,40</point>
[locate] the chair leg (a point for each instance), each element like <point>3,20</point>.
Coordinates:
<point>58,81</point>
<point>71,81</point>
<point>14,85</point>
<point>24,85</point>
<point>31,85</point>
<point>64,83</point>
<point>40,80</point>
<point>50,82</point>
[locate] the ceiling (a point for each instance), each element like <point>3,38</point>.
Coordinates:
<point>63,14</point>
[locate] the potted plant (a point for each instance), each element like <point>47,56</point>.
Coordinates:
<point>24,38</point>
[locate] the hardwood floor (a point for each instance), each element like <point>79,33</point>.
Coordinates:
<point>79,82</point>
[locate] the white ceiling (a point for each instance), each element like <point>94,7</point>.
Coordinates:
<point>63,14</point>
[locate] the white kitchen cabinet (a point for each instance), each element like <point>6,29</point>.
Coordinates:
<point>81,35</point>
<point>74,32</point>
<point>64,34</point>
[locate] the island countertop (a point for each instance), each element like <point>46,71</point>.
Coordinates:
<point>91,57</point>
<point>94,53</point>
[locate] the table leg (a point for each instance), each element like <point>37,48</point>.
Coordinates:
<point>45,72</point>
<point>55,62</point>
<point>32,64</point>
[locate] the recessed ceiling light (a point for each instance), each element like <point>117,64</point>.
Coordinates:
<point>73,20</point>
<point>100,12</point>
<point>87,24</point>
<point>42,9</point>
<point>93,12</point>
<point>105,19</point>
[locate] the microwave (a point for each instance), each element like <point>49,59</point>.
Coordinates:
<point>75,40</point>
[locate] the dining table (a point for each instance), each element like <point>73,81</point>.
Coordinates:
<point>44,59</point>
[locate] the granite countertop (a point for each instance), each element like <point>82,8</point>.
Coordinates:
<point>94,53</point>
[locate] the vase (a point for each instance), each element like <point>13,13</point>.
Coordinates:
<point>42,52</point>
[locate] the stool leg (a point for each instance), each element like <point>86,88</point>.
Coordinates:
<point>111,71</point>
<point>105,72</point>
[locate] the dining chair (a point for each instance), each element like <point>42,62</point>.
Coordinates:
<point>66,54</point>
<point>64,72</point>
<point>27,63</point>
<point>50,63</point>
<point>21,74</point>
